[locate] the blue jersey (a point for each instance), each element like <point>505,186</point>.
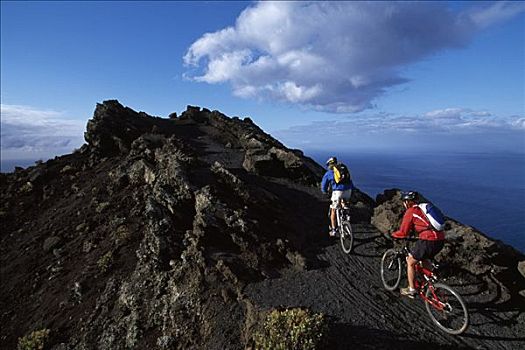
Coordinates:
<point>329,181</point>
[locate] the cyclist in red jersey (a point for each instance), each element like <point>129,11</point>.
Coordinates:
<point>430,241</point>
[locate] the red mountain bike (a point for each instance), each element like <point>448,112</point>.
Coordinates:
<point>446,308</point>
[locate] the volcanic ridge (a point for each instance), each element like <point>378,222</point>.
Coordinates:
<point>183,232</point>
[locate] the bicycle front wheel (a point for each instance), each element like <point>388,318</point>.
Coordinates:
<point>391,269</point>
<point>447,309</point>
<point>347,237</point>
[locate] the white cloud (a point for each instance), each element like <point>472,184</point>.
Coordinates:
<point>444,128</point>
<point>454,115</point>
<point>332,56</point>
<point>295,93</point>
<point>468,120</point>
<point>518,123</point>
<point>27,130</point>
<point>495,12</point>
<point>449,113</point>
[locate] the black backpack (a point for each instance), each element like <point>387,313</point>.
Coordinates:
<point>341,174</point>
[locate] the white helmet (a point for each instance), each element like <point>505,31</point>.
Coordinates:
<point>331,161</point>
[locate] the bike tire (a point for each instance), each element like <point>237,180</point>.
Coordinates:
<point>391,269</point>
<point>454,318</point>
<point>347,237</point>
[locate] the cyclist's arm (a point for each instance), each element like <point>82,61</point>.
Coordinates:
<point>406,225</point>
<point>326,182</point>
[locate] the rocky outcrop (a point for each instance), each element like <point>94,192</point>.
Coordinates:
<point>113,128</point>
<point>388,212</point>
<point>263,155</point>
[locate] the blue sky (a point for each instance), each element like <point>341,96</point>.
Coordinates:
<point>367,76</point>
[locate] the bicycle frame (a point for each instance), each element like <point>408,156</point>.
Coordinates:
<point>342,214</point>
<point>436,303</point>
<point>428,279</point>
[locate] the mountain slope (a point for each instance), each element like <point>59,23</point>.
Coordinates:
<point>178,233</point>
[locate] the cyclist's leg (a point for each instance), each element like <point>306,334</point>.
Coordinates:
<point>417,253</point>
<point>336,202</point>
<point>333,218</point>
<point>411,270</point>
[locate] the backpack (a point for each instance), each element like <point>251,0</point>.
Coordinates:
<point>434,215</point>
<point>341,174</point>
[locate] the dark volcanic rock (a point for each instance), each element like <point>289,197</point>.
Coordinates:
<point>158,220</point>
<point>181,232</point>
<point>263,155</point>
<point>51,243</point>
<point>113,128</point>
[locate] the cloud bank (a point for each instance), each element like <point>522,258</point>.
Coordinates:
<point>28,132</point>
<point>332,56</point>
<point>450,128</point>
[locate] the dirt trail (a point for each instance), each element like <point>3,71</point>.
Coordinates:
<point>349,290</point>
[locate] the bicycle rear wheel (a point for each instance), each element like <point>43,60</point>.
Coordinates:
<point>347,237</point>
<point>447,309</point>
<point>391,269</point>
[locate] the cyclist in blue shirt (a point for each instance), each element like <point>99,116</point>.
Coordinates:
<point>340,192</point>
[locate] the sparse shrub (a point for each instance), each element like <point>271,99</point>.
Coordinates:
<point>35,340</point>
<point>291,329</point>
<point>105,262</point>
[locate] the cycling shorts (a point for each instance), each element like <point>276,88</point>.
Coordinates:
<point>424,249</point>
<point>337,196</point>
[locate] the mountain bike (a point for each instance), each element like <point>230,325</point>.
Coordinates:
<point>342,214</point>
<point>444,305</point>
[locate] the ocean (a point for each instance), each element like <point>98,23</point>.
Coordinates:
<point>8,165</point>
<point>483,190</point>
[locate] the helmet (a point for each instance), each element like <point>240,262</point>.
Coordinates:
<point>408,196</point>
<point>331,160</point>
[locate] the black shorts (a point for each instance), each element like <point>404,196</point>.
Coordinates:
<point>426,249</point>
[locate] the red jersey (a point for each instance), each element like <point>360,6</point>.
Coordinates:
<point>415,219</point>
